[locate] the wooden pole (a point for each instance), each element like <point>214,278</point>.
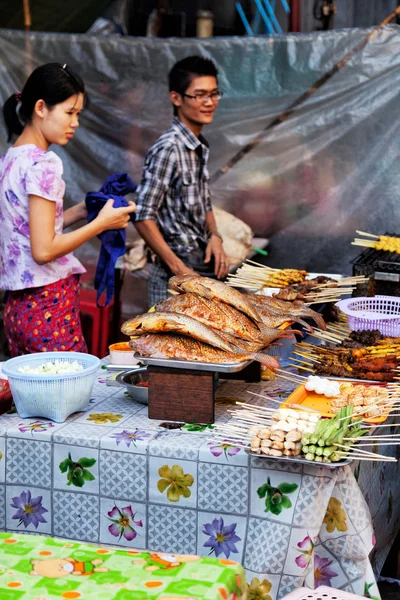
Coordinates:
<point>27,15</point>
<point>27,29</point>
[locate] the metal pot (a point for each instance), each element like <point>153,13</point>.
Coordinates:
<point>130,379</point>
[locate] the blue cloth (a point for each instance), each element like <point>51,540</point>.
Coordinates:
<point>113,240</point>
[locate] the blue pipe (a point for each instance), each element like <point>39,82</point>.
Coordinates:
<point>244,19</point>
<point>272,16</point>
<point>264,17</point>
<point>285,6</point>
<point>256,22</point>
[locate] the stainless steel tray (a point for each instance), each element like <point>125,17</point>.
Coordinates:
<point>191,364</point>
<point>302,461</point>
<point>116,368</point>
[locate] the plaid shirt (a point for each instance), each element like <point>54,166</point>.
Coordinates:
<point>174,189</point>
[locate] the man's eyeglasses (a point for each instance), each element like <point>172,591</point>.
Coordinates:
<point>201,98</point>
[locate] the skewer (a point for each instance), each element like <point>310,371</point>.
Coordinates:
<point>380,442</point>
<point>234,437</point>
<point>324,337</point>
<point>374,437</point>
<point>233,425</point>
<point>227,438</point>
<point>232,433</point>
<point>235,433</point>
<point>367,234</point>
<point>361,457</point>
<point>291,374</point>
<point>305,352</point>
<point>376,426</point>
<point>236,418</point>
<point>306,355</point>
<point>291,379</point>
<point>364,453</point>
<point>264,412</point>
<point>255,408</point>
<point>302,368</point>
<point>265,397</point>
<point>361,412</point>
<point>245,420</point>
<point>301,361</point>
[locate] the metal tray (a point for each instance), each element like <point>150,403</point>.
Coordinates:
<point>117,368</point>
<point>302,461</point>
<point>191,364</point>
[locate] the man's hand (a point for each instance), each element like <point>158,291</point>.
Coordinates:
<point>215,249</point>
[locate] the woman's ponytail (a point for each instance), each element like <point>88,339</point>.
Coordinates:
<point>10,115</point>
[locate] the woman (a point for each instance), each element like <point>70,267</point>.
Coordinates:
<point>37,266</point>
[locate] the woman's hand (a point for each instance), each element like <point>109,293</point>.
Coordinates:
<point>114,218</point>
<point>215,249</point>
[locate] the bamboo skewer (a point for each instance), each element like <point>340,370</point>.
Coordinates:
<point>255,408</point>
<point>375,437</point>
<point>367,234</point>
<point>292,380</point>
<point>365,452</point>
<point>302,368</point>
<point>381,425</point>
<point>380,442</point>
<point>360,457</point>
<point>247,419</point>
<point>291,374</point>
<point>302,361</point>
<point>265,397</point>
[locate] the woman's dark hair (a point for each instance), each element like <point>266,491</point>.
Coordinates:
<point>53,83</point>
<point>182,73</point>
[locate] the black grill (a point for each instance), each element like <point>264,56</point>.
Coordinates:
<point>383,270</point>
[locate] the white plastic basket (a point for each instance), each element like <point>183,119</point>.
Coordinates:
<point>54,397</point>
<point>377,312</point>
<point>321,593</point>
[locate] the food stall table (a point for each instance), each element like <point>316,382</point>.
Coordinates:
<point>54,568</point>
<point>112,475</point>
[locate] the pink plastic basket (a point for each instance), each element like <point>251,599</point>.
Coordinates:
<point>321,593</point>
<point>378,312</point>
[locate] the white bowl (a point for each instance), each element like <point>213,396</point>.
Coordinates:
<point>122,357</point>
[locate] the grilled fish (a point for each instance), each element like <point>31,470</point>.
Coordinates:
<point>293,311</point>
<point>181,347</point>
<point>224,318</point>
<point>215,290</point>
<point>171,322</point>
<point>212,313</point>
<point>274,316</point>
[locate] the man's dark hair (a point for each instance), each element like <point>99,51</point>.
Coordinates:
<point>182,73</point>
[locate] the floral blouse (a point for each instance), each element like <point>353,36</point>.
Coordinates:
<point>28,170</point>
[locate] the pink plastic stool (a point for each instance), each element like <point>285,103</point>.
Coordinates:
<point>321,593</point>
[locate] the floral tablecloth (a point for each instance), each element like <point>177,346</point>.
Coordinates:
<point>43,568</point>
<point>112,475</point>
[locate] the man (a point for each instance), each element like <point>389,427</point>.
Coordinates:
<point>174,213</point>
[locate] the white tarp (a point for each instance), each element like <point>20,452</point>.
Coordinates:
<point>329,170</point>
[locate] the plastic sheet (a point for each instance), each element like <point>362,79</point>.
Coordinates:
<point>331,169</point>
